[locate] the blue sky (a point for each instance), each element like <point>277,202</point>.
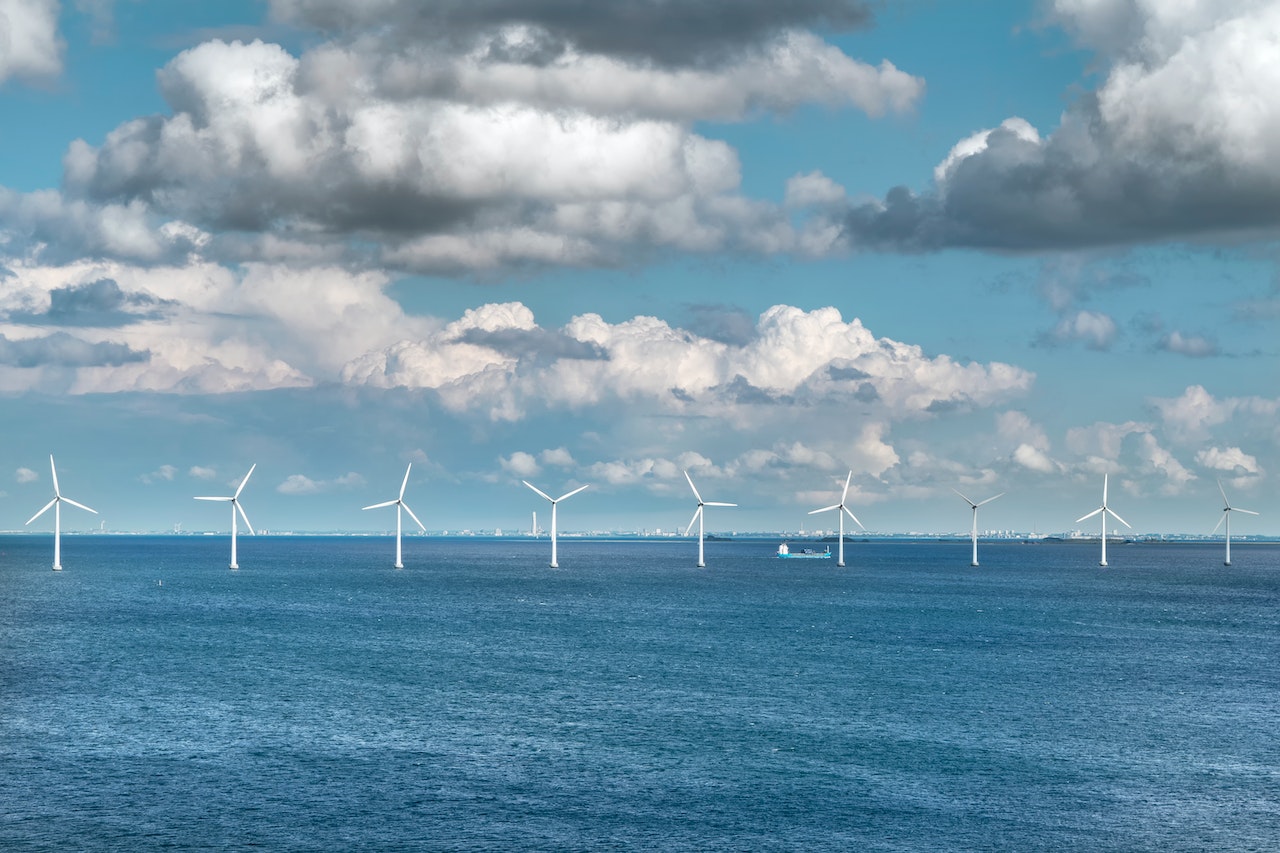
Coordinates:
<point>999,247</point>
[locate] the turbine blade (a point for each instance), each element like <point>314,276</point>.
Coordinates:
<point>989,500</point>
<point>43,511</point>
<point>245,480</point>
<point>1225,502</point>
<point>53,469</point>
<point>82,506</point>
<point>845,493</point>
<point>854,517</point>
<point>536,489</point>
<point>1104,489</point>
<point>697,512</point>
<point>692,486</point>
<point>1219,524</point>
<point>1090,515</point>
<point>1119,519</point>
<point>717,503</point>
<point>214,499</point>
<point>825,509</point>
<point>1245,511</point>
<point>236,504</point>
<point>966,500</point>
<point>568,495</point>
<point>381,505</point>
<point>406,480</point>
<point>414,517</point>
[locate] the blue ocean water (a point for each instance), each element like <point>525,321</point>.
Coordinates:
<point>478,700</point>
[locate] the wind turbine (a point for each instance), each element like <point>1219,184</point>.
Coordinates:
<point>975,520</point>
<point>1227,509</point>
<point>841,509</point>
<point>698,517</point>
<point>554,501</point>
<point>399,504</point>
<point>56,503</point>
<point>1104,510</point>
<point>235,506</point>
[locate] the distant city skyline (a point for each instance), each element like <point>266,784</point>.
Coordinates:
<point>1006,247</point>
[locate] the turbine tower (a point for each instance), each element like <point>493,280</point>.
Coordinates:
<point>236,507</point>
<point>975,520</point>
<point>399,504</point>
<point>698,517</point>
<point>841,510</point>
<point>1104,510</point>
<point>554,501</point>
<point>56,503</point>
<point>1227,509</point>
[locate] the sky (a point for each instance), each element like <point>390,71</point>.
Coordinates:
<point>1007,247</point>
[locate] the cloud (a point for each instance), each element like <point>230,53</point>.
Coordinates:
<point>1230,459</point>
<point>164,472</point>
<point>29,42</point>
<point>63,350</point>
<point>201,473</point>
<point>507,136</point>
<point>99,303</point>
<point>813,190</point>
<point>1161,462</point>
<point>1096,330</point>
<point>1192,416</point>
<point>666,34</point>
<point>558,457</point>
<point>1195,346</point>
<point>202,328</point>
<point>1179,140</point>
<point>1035,459</point>
<point>520,464</point>
<point>793,357</point>
<point>300,484</point>
<point>25,475</point>
<point>1103,439</point>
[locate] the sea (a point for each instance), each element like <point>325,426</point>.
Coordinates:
<point>318,699</point>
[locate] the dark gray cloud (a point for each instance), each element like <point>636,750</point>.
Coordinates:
<point>682,395</point>
<point>667,32</point>
<point>537,346</point>
<point>98,303</point>
<point>740,390</point>
<point>1066,193</point>
<point>866,393</point>
<point>1177,143</point>
<point>63,350</point>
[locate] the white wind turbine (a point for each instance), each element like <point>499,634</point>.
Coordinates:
<point>399,504</point>
<point>56,503</point>
<point>1104,510</point>
<point>841,510</point>
<point>235,506</point>
<point>554,501</point>
<point>1227,509</point>
<point>698,517</point>
<point>975,520</point>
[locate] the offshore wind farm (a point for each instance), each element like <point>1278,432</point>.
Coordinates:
<point>636,261</point>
